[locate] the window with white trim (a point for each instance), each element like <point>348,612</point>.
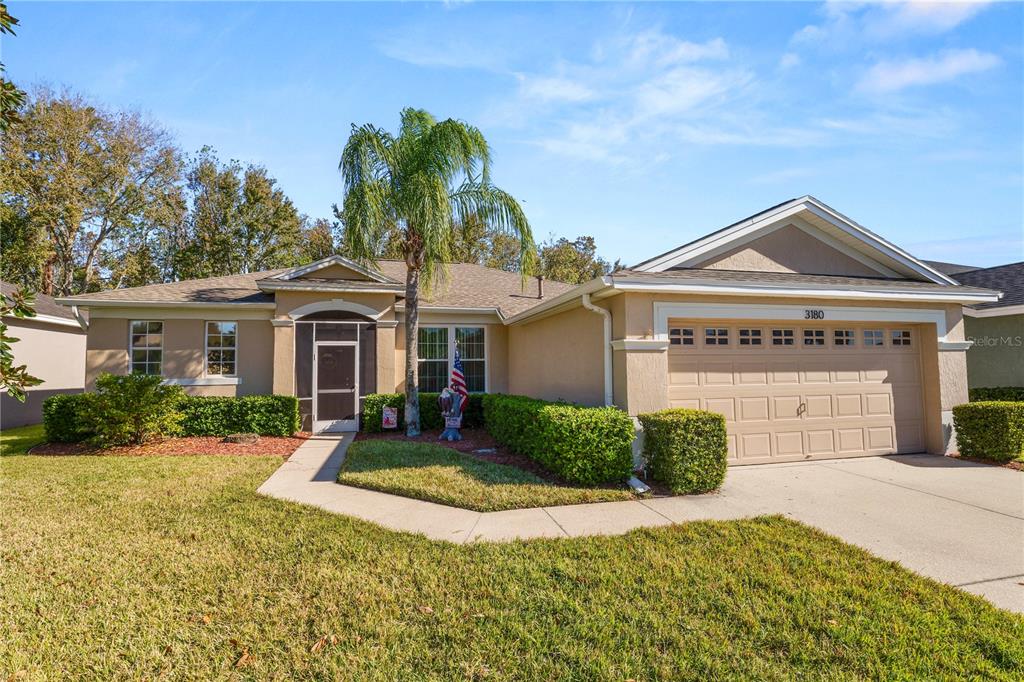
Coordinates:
<point>716,336</point>
<point>900,337</point>
<point>814,337</point>
<point>146,349</point>
<point>873,338</point>
<point>680,336</point>
<point>843,337</point>
<point>221,349</point>
<point>782,337</point>
<point>750,337</point>
<point>437,355</point>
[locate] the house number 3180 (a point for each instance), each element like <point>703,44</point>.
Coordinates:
<point>814,314</point>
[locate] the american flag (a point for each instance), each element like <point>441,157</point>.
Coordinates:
<point>458,376</point>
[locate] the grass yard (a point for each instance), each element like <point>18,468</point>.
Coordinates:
<point>146,567</point>
<point>440,474</point>
<point>17,441</point>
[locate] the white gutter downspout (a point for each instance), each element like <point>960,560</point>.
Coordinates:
<point>608,390</point>
<point>80,318</point>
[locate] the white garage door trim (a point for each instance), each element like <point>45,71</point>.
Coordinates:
<point>663,310</point>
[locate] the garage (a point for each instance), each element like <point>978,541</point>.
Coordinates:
<point>793,392</point>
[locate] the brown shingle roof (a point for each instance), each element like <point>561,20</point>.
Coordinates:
<point>783,278</point>
<point>467,286</point>
<point>44,305</point>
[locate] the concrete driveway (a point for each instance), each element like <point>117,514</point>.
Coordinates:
<point>958,522</point>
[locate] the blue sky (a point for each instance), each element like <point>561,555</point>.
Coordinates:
<point>643,125</point>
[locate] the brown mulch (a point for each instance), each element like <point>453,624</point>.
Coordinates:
<point>179,447</point>
<point>1016,466</point>
<point>472,440</point>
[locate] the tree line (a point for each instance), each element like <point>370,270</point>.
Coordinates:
<point>93,198</point>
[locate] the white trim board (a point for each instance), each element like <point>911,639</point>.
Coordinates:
<point>329,261</point>
<point>995,312</point>
<point>204,381</point>
<point>335,304</point>
<point>664,310</point>
<point>805,291</point>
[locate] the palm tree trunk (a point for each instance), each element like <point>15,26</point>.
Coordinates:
<point>412,324</point>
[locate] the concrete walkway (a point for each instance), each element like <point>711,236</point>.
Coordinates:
<point>958,522</point>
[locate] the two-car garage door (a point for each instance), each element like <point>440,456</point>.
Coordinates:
<point>793,392</point>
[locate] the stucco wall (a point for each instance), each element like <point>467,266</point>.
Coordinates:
<point>790,249</point>
<point>52,352</point>
<point>106,349</point>
<point>997,356</point>
<point>558,357</point>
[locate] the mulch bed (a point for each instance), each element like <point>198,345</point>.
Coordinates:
<point>472,440</point>
<point>179,447</point>
<point>1016,466</point>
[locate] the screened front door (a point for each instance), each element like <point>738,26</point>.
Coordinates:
<point>336,387</point>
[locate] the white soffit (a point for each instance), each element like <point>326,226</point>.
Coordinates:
<point>815,218</point>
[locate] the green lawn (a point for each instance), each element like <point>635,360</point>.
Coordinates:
<point>18,441</point>
<point>172,567</point>
<point>440,474</point>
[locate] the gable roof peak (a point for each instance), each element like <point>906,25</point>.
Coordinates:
<point>335,259</point>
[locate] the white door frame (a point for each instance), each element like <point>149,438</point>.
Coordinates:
<point>335,425</point>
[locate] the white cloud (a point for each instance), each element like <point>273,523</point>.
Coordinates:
<point>892,76</point>
<point>848,24</point>
<point>789,60</point>
<point>553,89</point>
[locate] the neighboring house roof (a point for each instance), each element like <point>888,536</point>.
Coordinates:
<point>812,215</point>
<point>45,306</point>
<point>1008,279</point>
<point>468,286</point>
<point>951,269</point>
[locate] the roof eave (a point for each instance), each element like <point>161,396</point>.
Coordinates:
<point>301,285</point>
<point>998,311</point>
<point>109,303</point>
<point>567,298</point>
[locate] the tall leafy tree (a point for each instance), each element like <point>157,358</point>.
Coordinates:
<point>422,182</point>
<point>77,179</point>
<point>318,240</point>
<point>239,220</point>
<point>573,262</point>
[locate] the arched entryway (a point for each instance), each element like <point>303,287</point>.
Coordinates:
<point>335,367</point>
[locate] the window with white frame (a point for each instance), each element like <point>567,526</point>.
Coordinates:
<point>680,336</point>
<point>814,337</point>
<point>716,336</point>
<point>873,338</point>
<point>221,348</point>
<point>146,351</point>
<point>437,355</point>
<point>842,337</point>
<point>900,337</point>
<point>750,337</point>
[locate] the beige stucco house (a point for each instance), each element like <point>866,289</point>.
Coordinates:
<point>815,337</point>
<point>52,347</point>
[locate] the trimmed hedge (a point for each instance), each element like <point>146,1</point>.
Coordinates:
<point>586,445</point>
<point>990,429</point>
<point>64,418</point>
<point>1007,393</point>
<point>685,449</point>
<point>129,409</point>
<point>430,413</point>
<point>267,415</point>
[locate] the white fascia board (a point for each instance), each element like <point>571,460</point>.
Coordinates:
<point>709,288</point>
<point>454,309</point>
<point>665,310</point>
<point>110,303</point>
<point>47,319</point>
<point>564,300</point>
<point>300,285</point>
<point>327,262</point>
<point>995,312</point>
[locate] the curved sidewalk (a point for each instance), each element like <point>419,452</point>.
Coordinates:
<point>958,522</point>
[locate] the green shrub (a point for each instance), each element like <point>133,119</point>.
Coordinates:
<point>685,449</point>
<point>1011,393</point>
<point>267,415</point>
<point>63,418</point>
<point>131,409</point>
<point>430,413</point>
<point>587,445</point>
<point>990,430</point>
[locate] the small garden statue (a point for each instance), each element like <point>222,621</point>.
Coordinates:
<point>452,403</point>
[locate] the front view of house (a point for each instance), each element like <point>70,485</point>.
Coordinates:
<point>815,337</point>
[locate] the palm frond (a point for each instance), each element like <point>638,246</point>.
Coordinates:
<point>500,211</point>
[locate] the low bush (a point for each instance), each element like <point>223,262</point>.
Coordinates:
<point>1011,393</point>
<point>131,409</point>
<point>990,429</point>
<point>430,413</point>
<point>685,449</point>
<point>63,418</point>
<point>266,415</point>
<point>587,445</point>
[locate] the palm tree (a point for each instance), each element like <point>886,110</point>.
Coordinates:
<point>422,182</point>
